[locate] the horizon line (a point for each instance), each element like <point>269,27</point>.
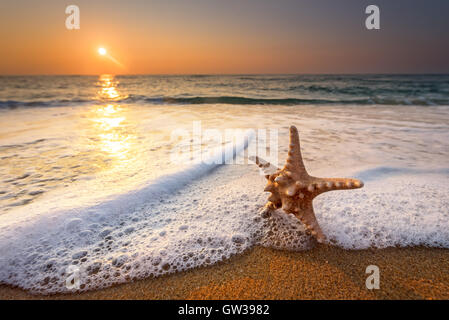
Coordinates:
<point>223,74</point>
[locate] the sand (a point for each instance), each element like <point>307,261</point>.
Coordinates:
<point>262,273</point>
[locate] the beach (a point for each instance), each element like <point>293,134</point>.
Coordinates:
<point>259,150</point>
<point>263,273</point>
<point>142,186</point>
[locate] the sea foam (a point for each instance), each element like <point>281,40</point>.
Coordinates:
<point>190,219</point>
<point>142,233</point>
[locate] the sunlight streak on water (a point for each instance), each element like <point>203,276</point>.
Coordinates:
<point>115,135</point>
<point>108,91</point>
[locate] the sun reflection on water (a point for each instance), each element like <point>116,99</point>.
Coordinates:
<point>114,134</point>
<point>108,88</point>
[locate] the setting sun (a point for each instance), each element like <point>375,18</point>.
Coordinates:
<point>102,51</point>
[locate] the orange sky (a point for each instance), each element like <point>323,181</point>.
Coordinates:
<point>159,37</point>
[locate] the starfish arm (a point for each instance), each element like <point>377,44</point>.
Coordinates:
<point>266,167</point>
<point>320,185</point>
<point>275,200</point>
<point>267,210</point>
<point>294,166</point>
<point>261,163</point>
<point>307,216</point>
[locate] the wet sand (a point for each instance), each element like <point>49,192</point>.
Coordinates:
<point>262,273</point>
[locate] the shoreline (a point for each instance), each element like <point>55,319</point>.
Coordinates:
<point>324,272</point>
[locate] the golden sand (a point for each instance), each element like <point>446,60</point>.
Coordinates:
<point>262,273</point>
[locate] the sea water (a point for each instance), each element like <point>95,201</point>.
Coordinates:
<point>89,183</point>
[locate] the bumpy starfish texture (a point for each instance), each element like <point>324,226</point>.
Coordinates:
<point>293,189</point>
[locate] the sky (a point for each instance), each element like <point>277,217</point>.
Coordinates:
<point>224,37</point>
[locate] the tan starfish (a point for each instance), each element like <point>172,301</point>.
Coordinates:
<point>293,189</point>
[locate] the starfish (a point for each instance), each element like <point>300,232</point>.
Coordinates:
<point>293,189</point>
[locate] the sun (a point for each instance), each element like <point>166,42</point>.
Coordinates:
<point>102,51</point>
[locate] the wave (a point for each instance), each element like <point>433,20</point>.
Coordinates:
<point>229,100</point>
<point>13,104</point>
<point>134,234</point>
<point>295,101</point>
<point>384,172</point>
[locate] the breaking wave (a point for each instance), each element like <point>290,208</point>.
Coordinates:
<point>229,100</point>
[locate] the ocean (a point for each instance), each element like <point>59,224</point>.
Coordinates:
<point>108,179</point>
